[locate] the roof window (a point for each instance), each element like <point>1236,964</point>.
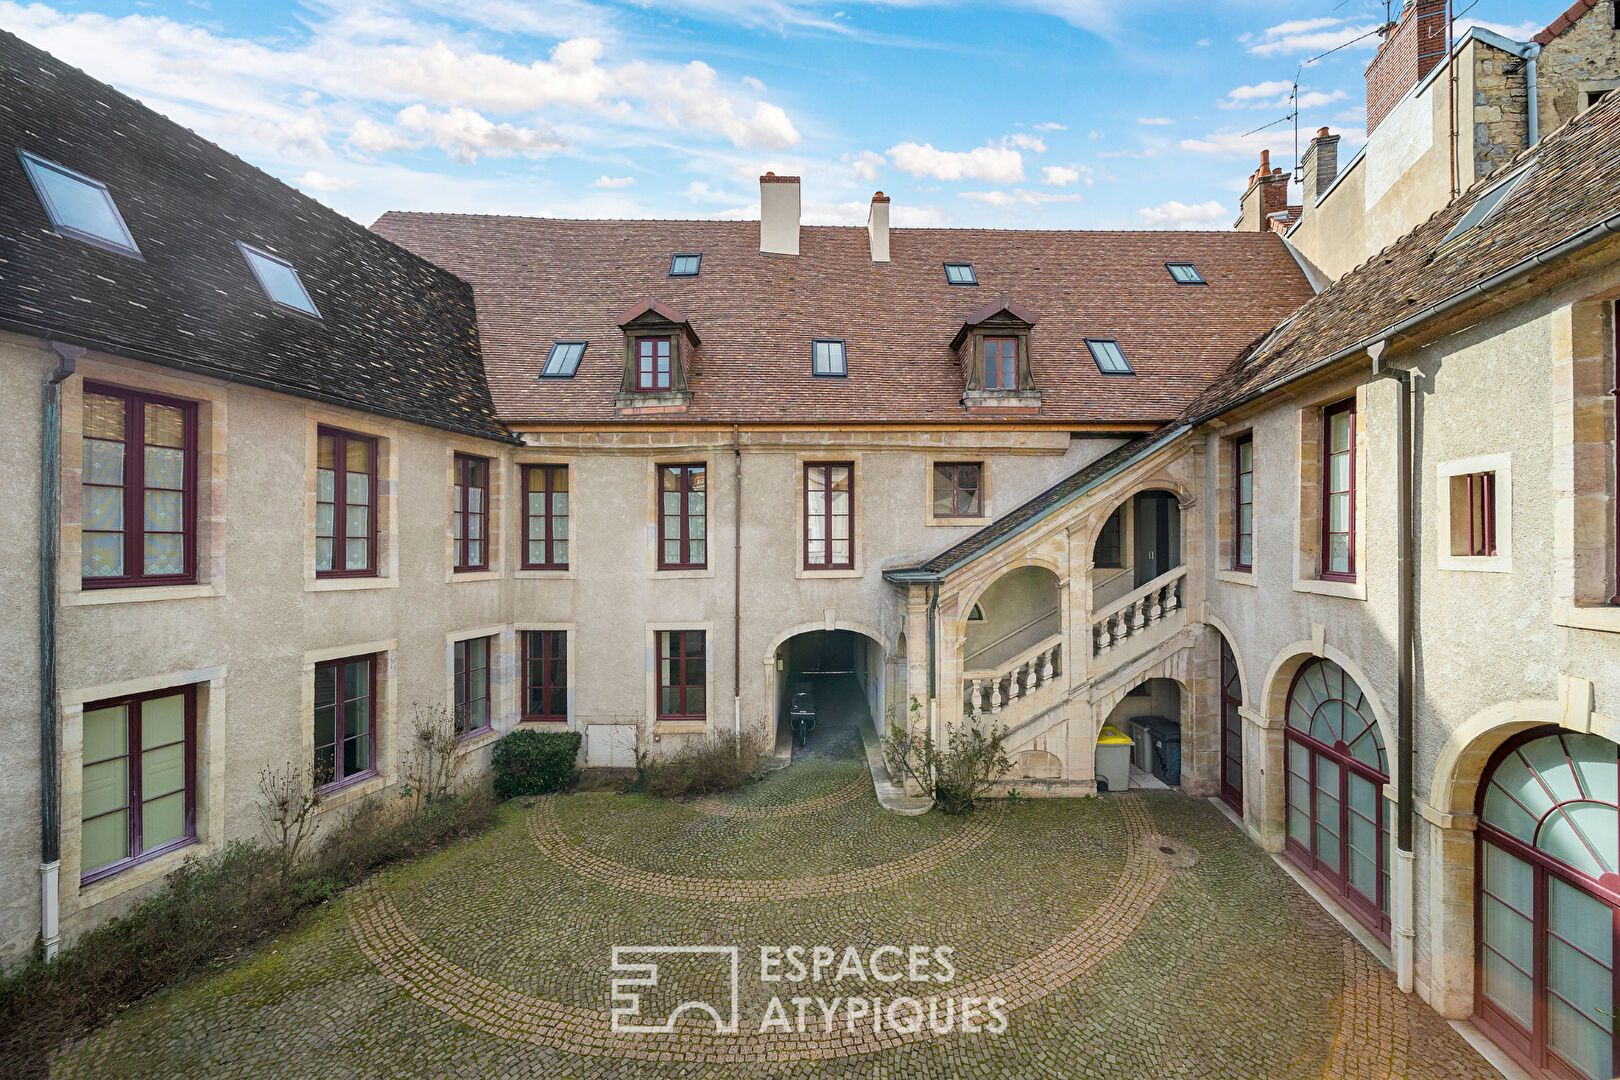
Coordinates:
<point>1486,205</point>
<point>79,206</point>
<point>829,357</point>
<point>279,280</point>
<point>960,274</point>
<point>564,360</point>
<point>684,265</point>
<point>1185,274</point>
<point>1110,361</point>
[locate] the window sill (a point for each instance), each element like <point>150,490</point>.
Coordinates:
<point>476,740</point>
<point>349,584</point>
<point>1237,577</point>
<point>972,521</point>
<point>657,574</point>
<point>474,575</point>
<point>349,791</point>
<point>1603,618</point>
<point>802,573</point>
<point>1350,590</point>
<point>680,727</point>
<point>139,873</point>
<point>1480,564</point>
<point>545,723</point>
<point>556,573</point>
<point>135,594</point>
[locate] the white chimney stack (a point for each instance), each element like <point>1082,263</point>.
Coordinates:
<point>877,227</point>
<point>778,214</point>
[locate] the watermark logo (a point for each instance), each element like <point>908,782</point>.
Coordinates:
<point>683,983</point>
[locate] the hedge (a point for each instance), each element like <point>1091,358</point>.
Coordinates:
<point>535,762</point>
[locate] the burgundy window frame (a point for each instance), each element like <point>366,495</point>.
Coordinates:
<point>685,517</point>
<point>1005,364</point>
<point>132,752</point>
<point>828,563</point>
<point>1529,1048</point>
<point>547,519</point>
<point>134,481</point>
<point>340,504</point>
<point>956,488</point>
<point>1481,540</point>
<point>1238,502</point>
<point>537,675</point>
<point>681,661</point>
<point>465,466</point>
<point>1231,719</point>
<point>462,682</point>
<point>340,779</point>
<point>1346,406</point>
<point>647,378</point>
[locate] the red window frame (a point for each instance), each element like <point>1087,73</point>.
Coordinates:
<point>134,804</point>
<point>1001,371</point>
<point>1240,530</point>
<point>679,525</point>
<point>682,654</point>
<point>470,656</point>
<point>132,484</point>
<point>1349,532</point>
<point>549,527</point>
<point>957,488</point>
<point>830,521</point>
<point>1481,537</point>
<point>469,526</point>
<point>545,675</point>
<point>340,474</point>
<point>655,372</point>
<point>339,669</point>
<point>1231,729</point>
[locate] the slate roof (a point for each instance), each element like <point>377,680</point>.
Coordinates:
<point>1572,188</point>
<point>398,336</point>
<point>543,280</point>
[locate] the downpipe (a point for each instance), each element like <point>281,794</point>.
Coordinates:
<point>736,588</point>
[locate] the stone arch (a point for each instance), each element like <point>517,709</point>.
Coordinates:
<point>1470,746</point>
<point>1245,687</point>
<point>1273,692</point>
<point>1157,482</point>
<point>864,629</point>
<point>971,595</point>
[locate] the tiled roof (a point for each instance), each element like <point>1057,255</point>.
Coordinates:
<point>539,280</point>
<point>1564,21</point>
<point>1572,187</point>
<point>397,337</point>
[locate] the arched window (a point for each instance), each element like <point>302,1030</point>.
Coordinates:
<point>1338,826</point>
<point>1231,730</point>
<point>1548,902</point>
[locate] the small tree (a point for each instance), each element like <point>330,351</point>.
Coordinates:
<point>432,764</point>
<point>287,811</point>
<point>957,775</point>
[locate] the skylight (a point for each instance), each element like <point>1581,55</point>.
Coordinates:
<point>829,357</point>
<point>1486,205</point>
<point>1110,361</point>
<point>279,280</point>
<point>684,265</point>
<point>79,206</point>
<point>1186,274</point>
<point>960,274</point>
<point>563,361</point>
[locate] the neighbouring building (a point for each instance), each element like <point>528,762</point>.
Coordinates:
<point>1345,562</point>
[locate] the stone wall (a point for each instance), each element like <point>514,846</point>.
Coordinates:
<point>1582,60</point>
<point>1501,95</point>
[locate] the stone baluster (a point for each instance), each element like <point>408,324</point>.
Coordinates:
<point>1122,625</point>
<point>1155,609</point>
<point>1048,668</point>
<point>995,696</point>
<point>1014,677</point>
<point>1172,598</point>
<point>1103,638</point>
<point>977,695</point>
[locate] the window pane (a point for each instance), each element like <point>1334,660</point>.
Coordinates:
<point>163,771</point>
<point>357,555</point>
<point>104,841</point>
<point>103,417</point>
<point>106,733</point>
<point>103,462</point>
<point>323,553</point>
<point>357,489</point>
<point>325,725</point>
<point>164,554</point>
<point>1339,432</point>
<point>165,425</point>
<point>325,686</point>
<point>163,820</point>
<point>106,787</point>
<point>74,203</point>
<point>357,521</point>
<point>163,721</point>
<point>1508,987</point>
<point>102,555</point>
<point>356,755</point>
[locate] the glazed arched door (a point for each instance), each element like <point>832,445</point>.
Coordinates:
<point>1338,825</point>
<point>1547,903</point>
<point>1231,730</point>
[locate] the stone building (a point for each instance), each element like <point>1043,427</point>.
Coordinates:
<point>1343,561</point>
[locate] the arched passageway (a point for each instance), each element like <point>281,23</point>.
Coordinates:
<point>840,674</point>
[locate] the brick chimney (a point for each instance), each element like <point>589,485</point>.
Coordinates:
<point>779,214</point>
<point>877,227</point>
<point>1415,46</point>
<point>1267,195</point>
<point>1320,164</point>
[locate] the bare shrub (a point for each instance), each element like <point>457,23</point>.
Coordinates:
<point>430,766</point>
<point>719,762</point>
<point>289,801</point>
<point>956,775</point>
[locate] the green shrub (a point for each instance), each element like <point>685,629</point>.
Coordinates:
<point>957,774</point>
<point>721,762</point>
<point>535,762</point>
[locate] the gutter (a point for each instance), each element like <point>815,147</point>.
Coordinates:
<point>50,793</point>
<point>736,587</point>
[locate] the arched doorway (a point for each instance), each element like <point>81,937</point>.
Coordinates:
<point>1140,541</point>
<point>843,672</point>
<point>1338,827</point>
<point>1548,902</point>
<point>1231,729</point>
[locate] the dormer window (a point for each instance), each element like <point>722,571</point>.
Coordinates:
<point>1185,274</point>
<point>279,280</point>
<point>993,347</point>
<point>684,265</point>
<point>564,360</point>
<point>653,363</point>
<point>960,274</point>
<point>658,348</point>
<point>78,206</point>
<point>1001,363</point>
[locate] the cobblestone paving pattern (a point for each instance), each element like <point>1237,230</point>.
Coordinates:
<point>1118,959</point>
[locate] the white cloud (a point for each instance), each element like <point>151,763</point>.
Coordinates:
<point>1277,94</point>
<point>691,97</point>
<point>1203,43</point>
<point>1245,95</point>
<point>319,181</point>
<point>303,135</point>
<point>1313,36</point>
<point>1315,99</point>
<point>992,164</point>
<point>1177,215</point>
<point>464,133</point>
<point>613,181</point>
<point>367,138</point>
<point>1024,142</point>
<point>1064,175</point>
<point>1050,125</point>
<point>866,164</point>
<point>1018,196</point>
<point>1154,121</point>
<point>1233,143</point>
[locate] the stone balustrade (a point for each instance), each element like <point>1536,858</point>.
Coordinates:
<point>1135,613</point>
<point>991,691</point>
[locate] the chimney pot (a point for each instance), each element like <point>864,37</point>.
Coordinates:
<point>877,227</point>
<point>1265,161</point>
<point>778,214</point>
<point>1321,133</point>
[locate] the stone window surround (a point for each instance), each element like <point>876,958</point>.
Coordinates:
<point>675,727</point>
<point>520,677</point>
<point>387,436</point>
<point>495,521</point>
<point>536,456</point>
<point>1584,464</point>
<point>672,456</point>
<point>986,508</point>
<point>1308,522</point>
<point>503,664</point>
<point>210,784</point>
<point>383,717</point>
<point>1226,503</point>
<point>858,518</point>
<point>1502,561</point>
<point>209,535</point>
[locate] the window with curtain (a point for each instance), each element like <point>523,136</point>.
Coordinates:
<point>138,522</point>
<point>345,504</point>
<point>138,779</point>
<point>829,516</point>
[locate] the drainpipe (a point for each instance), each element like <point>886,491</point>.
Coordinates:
<point>933,676</point>
<point>1533,127</point>
<point>50,800</point>
<point>1403,908</point>
<point>736,587</point>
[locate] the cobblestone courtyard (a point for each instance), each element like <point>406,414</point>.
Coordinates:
<point>1130,936</point>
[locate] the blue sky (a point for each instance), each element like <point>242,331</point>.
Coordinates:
<point>987,113</point>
